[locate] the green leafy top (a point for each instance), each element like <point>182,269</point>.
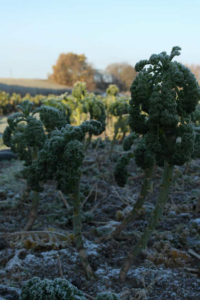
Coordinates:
<point>24,133</point>
<point>62,156</point>
<point>52,118</point>
<point>119,107</point>
<point>121,174</point>
<point>79,90</point>
<point>112,90</point>
<point>163,96</point>
<point>95,108</point>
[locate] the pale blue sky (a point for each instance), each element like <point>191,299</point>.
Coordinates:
<point>34,33</point>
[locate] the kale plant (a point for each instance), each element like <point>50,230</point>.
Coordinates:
<point>119,110</point>
<point>25,136</point>
<point>112,91</point>
<point>79,92</point>
<point>163,96</point>
<point>61,159</point>
<point>51,122</point>
<point>96,110</point>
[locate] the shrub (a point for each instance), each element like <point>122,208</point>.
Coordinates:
<point>46,289</point>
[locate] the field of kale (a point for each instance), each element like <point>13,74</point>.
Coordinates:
<point>103,201</point>
<point>165,270</point>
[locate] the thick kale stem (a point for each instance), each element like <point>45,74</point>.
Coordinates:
<point>77,230</point>
<point>78,121</point>
<point>154,219</point>
<point>116,126</point>
<point>34,211</point>
<point>88,141</point>
<point>35,200</point>
<point>146,186</point>
<point>113,140</point>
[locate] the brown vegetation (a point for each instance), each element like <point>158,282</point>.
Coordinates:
<point>71,68</point>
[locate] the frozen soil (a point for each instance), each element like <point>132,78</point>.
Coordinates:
<point>167,268</point>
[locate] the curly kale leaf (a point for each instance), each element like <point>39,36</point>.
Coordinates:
<point>25,134</point>
<point>144,158</point>
<point>112,90</point>
<point>95,108</point>
<point>7,136</point>
<point>121,174</point>
<point>119,107</point>
<point>34,133</point>
<point>52,117</point>
<point>129,140</point>
<point>46,289</point>
<point>14,119</point>
<point>184,149</point>
<point>26,107</point>
<point>61,157</point>
<point>92,127</point>
<point>79,90</point>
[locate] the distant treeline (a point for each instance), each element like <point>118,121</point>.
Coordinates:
<point>33,91</point>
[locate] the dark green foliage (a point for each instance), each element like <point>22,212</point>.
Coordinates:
<point>54,118</point>
<point>7,136</point>
<point>128,141</point>
<point>34,133</point>
<point>119,107</point>
<point>185,148</point>
<point>25,134</point>
<point>163,96</point>
<point>62,156</point>
<point>196,116</point>
<point>95,108</point>
<point>121,173</point>
<point>107,296</point>
<point>46,289</point>
<point>92,127</point>
<point>26,107</point>
<point>143,157</point>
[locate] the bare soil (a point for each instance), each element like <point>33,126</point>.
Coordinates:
<point>167,268</point>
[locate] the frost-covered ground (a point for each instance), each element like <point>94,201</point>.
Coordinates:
<point>167,269</point>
